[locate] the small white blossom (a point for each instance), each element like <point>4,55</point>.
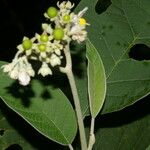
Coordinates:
<point>45,70</point>
<point>20,47</point>
<point>55,60</point>
<point>56,47</point>
<point>37,36</point>
<point>78,34</point>
<point>57,51</point>
<point>65,5</point>
<point>43,55</point>
<point>30,70</point>
<point>28,52</point>
<point>77,30</point>
<point>47,28</point>
<point>24,78</point>
<point>8,67</point>
<point>14,73</point>
<point>11,69</point>
<point>19,69</point>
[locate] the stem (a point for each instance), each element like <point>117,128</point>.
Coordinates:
<point>70,147</point>
<point>78,110</point>
<point>92,136</point>
<point>69,73</point>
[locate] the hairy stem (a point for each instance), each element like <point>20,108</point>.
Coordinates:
<point>70,147</point>
<point>92,136</point>
<point>69,73</point>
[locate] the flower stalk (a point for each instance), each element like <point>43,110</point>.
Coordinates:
<point>68,71</point>
<point>92,136</point>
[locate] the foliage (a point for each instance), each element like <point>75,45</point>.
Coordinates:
<point>96,80</point>
<point>9,136</point>
<point>113,33</point>
<point>115,27</point>
<point>53,123</point>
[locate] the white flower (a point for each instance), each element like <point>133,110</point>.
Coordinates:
<point>28,52</point>
<point>41,50</point>
<point>24,78</point>
<point>80,37</point>
<point>38,37</point>
<point>55,60</point>
<point>65,5</point>
<point>47,28</point>
<point>56,47</point>
<point>57,51</point>
<point>65,9</point>
<point>7,67</point>
<point>14,73</point>
<point>45,70</point>
<point>43,55</point>
<point>30,70</point>
<point>77,30</point>
<point>20,69</point>
<point>78,33</point>
<point>21,49</point>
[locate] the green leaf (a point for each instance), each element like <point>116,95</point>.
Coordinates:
<point>45,108</point>
<point>148,148</point>
<point>123,25</point>
<point>9,136</point>
<point>96,80</point>
<point>123,135</point>
<point>78,52</point>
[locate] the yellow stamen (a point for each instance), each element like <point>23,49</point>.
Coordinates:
<point>82,21</point>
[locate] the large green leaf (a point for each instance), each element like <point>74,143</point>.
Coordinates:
<point>126,130</point>
<point>44,107</point>
<point>148,148</point>
<point>96,80</point>
<point>9,136</point>
<point>127,137</point>
<point>113,33</point>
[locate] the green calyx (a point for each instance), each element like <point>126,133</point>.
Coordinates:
<point>27,44</point>
<point>44,38</point>
<point>42,47</point>
<point>52,12</point>
<point>66,18</point>
<point>58,34</point>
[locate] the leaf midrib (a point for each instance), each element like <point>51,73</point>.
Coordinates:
<point>15,109</point>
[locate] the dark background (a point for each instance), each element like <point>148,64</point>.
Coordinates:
<point>20,18</point>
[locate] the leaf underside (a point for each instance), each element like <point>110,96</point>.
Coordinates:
<point>96,80</point>
<point>46,108</point>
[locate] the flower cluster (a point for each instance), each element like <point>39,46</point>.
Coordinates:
<point>47,47</point>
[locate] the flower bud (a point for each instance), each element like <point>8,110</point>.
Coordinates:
<point>52,12</point>
<point>58,34</point>
<point>27,44</point>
